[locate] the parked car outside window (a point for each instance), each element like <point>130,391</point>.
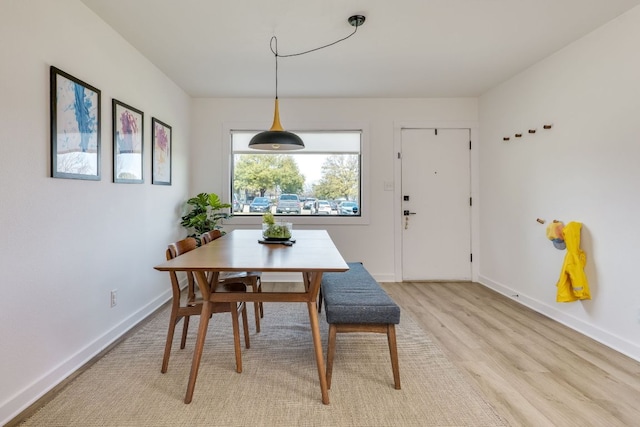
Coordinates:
<point>308,203</point>
<point>323,207</point>
<point>237,206</point>
<point>288,203</point>
<point>260,204</point>
<point>348,208</point>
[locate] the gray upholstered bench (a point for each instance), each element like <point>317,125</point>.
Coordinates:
<point>355,302</point>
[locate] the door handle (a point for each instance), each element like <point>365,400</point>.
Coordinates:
<point>407,213</point>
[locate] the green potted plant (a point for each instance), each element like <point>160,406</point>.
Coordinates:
<point>205,212</point>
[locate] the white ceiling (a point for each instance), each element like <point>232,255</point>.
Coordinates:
<point>406,48</point>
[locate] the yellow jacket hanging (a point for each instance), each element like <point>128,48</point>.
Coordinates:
<point>573,284</point>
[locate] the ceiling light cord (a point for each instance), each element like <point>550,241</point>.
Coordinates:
<point>277,138</point>
<point>274,41</point>
<point>275,52</point>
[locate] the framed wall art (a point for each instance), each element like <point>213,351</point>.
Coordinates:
<point>75,127</point>
<point>160,152</point>
<point>128,146</point>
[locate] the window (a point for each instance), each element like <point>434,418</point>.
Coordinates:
<point>322,180</point>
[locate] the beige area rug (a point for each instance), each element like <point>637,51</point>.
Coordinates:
<point>278,386</point>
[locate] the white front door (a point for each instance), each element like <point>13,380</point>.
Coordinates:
<point>436,217</point>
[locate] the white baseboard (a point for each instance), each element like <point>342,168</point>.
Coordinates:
<point>30,394</point>
<point>609,339</point>
<point>389,278</point>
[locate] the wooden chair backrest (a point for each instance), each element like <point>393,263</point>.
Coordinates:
<point>175,250</point>
<point>181,247</point>
<point>210,236</point>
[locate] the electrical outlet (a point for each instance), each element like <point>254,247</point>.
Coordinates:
<point>114,298</point>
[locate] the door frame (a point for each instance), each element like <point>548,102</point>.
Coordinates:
<point>475,186</point>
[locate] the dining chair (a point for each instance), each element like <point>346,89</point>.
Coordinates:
<point>193,305</point>
<point>252,279</point>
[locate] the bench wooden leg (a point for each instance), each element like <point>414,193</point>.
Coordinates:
<point>331,351</point>
<point>389,329</point>
<point>393,352</point>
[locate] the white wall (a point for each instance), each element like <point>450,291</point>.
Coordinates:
<point>66,243</point>
<point>373,243</point>
<point>584,169</point>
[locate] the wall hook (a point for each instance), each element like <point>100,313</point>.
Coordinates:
<point>518,135</point>
<point>547,126</point>
<point>506,138</point>
<point>532,131</point>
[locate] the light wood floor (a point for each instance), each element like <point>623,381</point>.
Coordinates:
<point>535,371</point>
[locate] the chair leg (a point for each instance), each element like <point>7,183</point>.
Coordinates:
<point>259,284</point>
<point>331,351</point>
<point>393,351</point>
<point>185,329</point>
<point>255,287</point>
<point>167,347</point>
<point>236,336</point>
<point>245,325</point>
<point>205,314</point>
<point>256,309</point>
<point>320,300</point>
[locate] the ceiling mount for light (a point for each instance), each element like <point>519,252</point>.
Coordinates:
<point>276,138</point>
<point>356,20</point>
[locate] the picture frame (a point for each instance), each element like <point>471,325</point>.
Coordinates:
<point>128,143</point>
<point>160,152</point>
<point>75,127</point>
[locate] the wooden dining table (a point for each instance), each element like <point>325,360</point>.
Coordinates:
<point>312,254</point>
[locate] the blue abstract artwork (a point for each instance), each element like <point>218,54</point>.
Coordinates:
<point>75,128</point>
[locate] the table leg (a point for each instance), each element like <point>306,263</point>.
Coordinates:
<point>197,352</point>
<point>317,344</point>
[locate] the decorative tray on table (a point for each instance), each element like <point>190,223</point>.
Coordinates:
<point>276,241</point>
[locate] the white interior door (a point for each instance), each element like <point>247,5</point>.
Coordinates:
<point>436,191</point>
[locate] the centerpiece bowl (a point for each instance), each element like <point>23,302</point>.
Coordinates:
<point>278,231</point>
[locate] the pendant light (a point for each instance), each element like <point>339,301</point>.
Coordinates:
<point>276,138</point>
